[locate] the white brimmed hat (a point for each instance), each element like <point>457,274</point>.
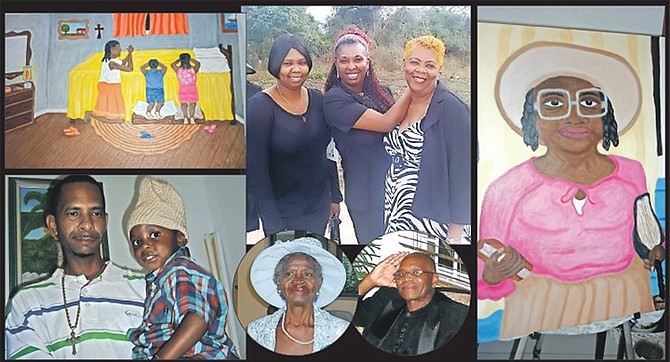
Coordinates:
<point>263,268</point>
<point>536,62</point>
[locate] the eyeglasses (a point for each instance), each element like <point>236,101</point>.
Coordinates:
<point>555,103</point>
<point>412,273</point>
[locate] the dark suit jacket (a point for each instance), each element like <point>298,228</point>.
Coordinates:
<point>443,190</point>
<point>377,314</point>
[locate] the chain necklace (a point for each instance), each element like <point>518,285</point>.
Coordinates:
<point>73,337</point>
<point>283,329</point>
<point>286,100</point>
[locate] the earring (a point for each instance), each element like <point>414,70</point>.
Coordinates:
<point>337,74</point>
<point>367,72</point>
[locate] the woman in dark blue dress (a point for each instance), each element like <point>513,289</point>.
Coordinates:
<point>360,112</point>
<point>288,174</point>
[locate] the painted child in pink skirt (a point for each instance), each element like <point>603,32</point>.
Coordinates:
<point>188,92</point>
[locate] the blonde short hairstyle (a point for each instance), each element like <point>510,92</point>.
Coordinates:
<point>429,42</point>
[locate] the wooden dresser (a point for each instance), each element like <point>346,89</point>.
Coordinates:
<point>19,106</point>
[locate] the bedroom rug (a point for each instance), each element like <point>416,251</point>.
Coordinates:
<point>145,139</point>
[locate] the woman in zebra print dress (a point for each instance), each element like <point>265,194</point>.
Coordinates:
<point>427,186</point>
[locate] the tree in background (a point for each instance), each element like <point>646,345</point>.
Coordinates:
<point>38,251</point>
<point>389,26</point>
<point>367,18</point>
<point>265,23</point>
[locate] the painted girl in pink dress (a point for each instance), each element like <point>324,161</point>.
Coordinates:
<point>188,92</point>
<point>570,211</point>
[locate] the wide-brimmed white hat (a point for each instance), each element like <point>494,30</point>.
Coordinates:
<point>538,61</point>
<point>263,268</point>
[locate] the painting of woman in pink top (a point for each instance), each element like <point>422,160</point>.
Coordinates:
<point>188,92</point>
<point>559,228</point>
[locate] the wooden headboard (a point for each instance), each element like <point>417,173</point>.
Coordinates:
<point>228,52</point>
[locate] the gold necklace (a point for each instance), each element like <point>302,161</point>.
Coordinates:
<point>286,100</point>
<point>73,337</point>
<point>283,329</point>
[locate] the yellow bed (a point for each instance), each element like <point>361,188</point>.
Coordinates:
<point>214,89</point>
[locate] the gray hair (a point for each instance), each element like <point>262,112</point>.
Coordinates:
<point>281,265</point>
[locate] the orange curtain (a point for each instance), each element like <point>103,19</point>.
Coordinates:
<point>167,24</point>
<point>129,24</point>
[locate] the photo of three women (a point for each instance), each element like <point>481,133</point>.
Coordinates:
<point>406,162</point>
<point>392,140</point>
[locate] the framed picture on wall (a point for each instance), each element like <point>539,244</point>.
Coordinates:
<point>72,29</point>
<point>33,252</point>
<point>229,22</point>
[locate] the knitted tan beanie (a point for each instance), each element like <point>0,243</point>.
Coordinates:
<point>158,203</point>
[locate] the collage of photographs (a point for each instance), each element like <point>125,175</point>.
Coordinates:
<point>400,182</point>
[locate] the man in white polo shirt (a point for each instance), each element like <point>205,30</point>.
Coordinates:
<point>85,308</point>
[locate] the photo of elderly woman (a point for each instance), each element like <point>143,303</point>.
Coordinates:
<point>569,242</point>
<point>292,291</point>
<point>395,92</point>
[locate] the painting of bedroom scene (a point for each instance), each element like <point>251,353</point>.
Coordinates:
<point>124,90</point>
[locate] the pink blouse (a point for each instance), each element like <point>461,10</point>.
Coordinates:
<point>535,214</point>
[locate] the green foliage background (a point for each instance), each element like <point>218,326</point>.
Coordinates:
<point>37,255</point>
<point>389,26</point>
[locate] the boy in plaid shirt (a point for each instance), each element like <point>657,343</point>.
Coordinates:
<point>185,307</point>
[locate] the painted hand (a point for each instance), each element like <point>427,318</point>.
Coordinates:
<point>503,264</point>
<point>657,253</point>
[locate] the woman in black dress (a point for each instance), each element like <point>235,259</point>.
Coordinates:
<point>360,111</point>
<point>288,174</point>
